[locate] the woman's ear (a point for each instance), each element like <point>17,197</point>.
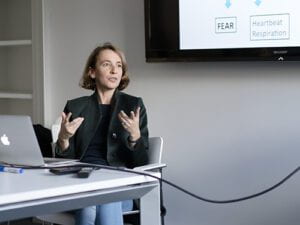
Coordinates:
<point>92,73</point>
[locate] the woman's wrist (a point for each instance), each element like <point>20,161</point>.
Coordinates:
<point>133,139</point>
<point>132,142</point>
<point>63,143</point>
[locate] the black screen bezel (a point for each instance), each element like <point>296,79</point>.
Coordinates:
<point>162,40</point>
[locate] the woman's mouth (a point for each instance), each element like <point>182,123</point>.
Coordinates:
<point>113,79</point>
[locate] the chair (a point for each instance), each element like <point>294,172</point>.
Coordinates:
<point>55,128</point>
<point>155,150</point>
<point>44,138</point>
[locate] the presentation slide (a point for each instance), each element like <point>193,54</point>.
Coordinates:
<point>238,24</point>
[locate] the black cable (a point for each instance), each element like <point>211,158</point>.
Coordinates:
<point>206,199</point>
<point>172,184</point>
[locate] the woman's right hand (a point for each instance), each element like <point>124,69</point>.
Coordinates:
<point>68,129</point>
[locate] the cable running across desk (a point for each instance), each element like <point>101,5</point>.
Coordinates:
<point>176,186</point>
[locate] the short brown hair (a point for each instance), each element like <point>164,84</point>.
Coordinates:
<point>88,83</point>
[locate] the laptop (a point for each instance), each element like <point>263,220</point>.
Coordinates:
<point>18,142</point>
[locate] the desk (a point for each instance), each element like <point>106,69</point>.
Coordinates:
<point>38,192</point>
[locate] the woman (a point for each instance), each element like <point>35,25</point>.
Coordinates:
<point>107,128</point>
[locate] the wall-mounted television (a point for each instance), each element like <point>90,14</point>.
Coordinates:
<point>226,30</point>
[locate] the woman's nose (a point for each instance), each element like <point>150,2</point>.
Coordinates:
<point>113,69</point>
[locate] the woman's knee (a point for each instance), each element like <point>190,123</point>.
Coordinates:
<point>110,213</point>
<point>127,205</point>
<point>85,216</point>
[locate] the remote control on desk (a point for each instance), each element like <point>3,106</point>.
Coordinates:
<point>85,172</point>
<point>64,170</point>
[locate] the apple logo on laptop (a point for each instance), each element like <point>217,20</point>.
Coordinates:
<point>4,140</point>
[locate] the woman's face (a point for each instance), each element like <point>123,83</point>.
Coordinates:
<point>108,70</point>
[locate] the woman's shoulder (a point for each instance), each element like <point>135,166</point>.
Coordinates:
<point>124,95</point>
<point>79,100</point>
<point>128,100</point>
<point>77,105</point>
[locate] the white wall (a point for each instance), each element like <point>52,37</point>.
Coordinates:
<point>230,129</point>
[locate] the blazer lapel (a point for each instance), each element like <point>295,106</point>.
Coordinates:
<point>92,117</point>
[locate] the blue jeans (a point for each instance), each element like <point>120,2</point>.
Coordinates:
<point>105,214</point>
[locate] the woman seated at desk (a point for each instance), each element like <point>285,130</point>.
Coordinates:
<point>107,128</point>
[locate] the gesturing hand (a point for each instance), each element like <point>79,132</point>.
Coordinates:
<point>67,128</point>
<point>131,123</point>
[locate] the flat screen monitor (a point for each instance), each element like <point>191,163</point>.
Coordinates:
<point>198,30</point>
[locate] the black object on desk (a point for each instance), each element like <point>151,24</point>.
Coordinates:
<point>64,170</point>
<point>85,172</point>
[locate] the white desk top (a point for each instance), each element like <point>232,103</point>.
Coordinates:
<point>38,184</point>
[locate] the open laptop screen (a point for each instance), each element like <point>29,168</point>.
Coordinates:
<point>18,143</point>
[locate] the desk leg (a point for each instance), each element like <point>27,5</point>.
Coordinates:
<point>150,207</point>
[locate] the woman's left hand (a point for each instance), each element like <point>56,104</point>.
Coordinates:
<point>131,123</point>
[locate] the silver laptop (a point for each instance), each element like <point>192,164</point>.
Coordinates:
<point>18,142</point>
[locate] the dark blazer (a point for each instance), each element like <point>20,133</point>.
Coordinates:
<point>119,153</point>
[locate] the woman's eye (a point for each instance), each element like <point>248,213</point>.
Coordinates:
<point>105,64</point>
